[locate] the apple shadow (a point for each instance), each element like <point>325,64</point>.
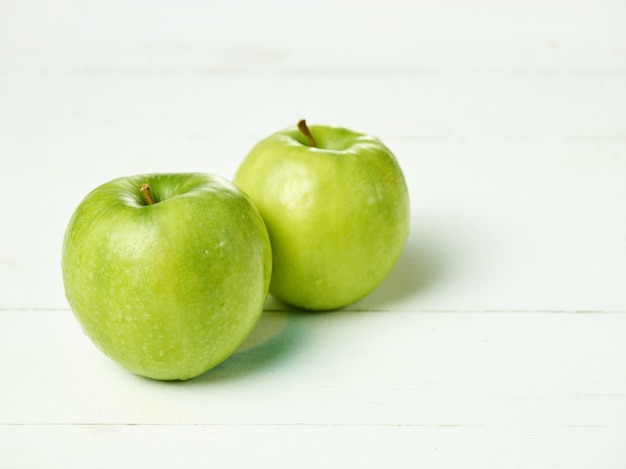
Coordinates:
<point>272,340</point>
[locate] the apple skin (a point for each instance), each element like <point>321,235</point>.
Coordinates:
<point>337,214</point>
<point>168,290</point>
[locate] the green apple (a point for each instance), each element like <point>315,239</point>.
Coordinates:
<point>167,273</point>
<point>336,206</point>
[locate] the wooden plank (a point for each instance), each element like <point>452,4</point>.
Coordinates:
<point>322,35</point>
<point>271,446</point>
<point>342,368</point>
<point>200,116</point>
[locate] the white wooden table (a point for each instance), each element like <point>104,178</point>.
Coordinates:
<point>499,341</point>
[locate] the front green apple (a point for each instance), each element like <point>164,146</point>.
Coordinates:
<point>167,273</point>
<point>336,206</point>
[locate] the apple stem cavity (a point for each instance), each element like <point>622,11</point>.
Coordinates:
<point>147,194</point>
<point>307,133</point>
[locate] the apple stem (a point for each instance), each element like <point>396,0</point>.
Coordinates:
<point>307,133</point>
<point>147,193</point>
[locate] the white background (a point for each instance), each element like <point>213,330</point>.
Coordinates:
<point>498,341</point>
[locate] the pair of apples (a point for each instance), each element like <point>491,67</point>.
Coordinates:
<point>168,273</point>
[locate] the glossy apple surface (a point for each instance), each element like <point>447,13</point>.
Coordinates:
<point>168,288</point>
<point>336,208</point>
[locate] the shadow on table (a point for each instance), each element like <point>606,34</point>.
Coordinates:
<point>274,339</point>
